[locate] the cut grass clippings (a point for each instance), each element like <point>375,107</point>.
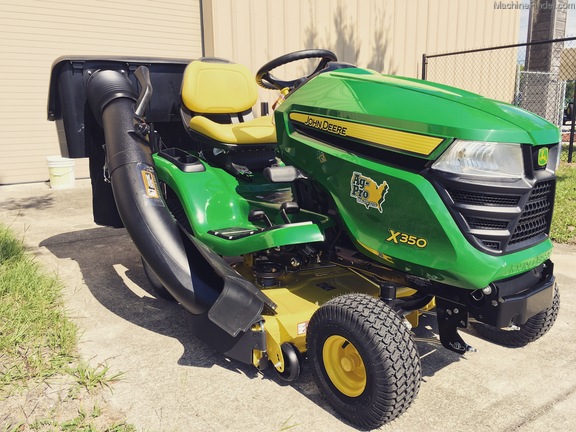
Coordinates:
<point>38,349</point>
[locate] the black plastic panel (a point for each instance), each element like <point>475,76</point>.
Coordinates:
<point>67,104</point>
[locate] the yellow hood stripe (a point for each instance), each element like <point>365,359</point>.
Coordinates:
<point>414,143</point>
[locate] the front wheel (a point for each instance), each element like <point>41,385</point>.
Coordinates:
<point>522,335</point>
<point>364,359</point>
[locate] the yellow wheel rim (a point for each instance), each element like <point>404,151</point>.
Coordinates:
<point>344,366</point>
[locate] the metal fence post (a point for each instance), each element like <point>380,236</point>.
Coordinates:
<point>573,115</point>
<point>424,65</point>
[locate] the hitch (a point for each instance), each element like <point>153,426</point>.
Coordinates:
<point>450,317</point>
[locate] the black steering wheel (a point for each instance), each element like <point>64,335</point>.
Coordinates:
<point>265,79</point>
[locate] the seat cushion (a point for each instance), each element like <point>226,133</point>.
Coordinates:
<point>260,130</point>
<point>217,88</point>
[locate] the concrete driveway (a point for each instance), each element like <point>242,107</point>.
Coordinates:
<point>173,382</point>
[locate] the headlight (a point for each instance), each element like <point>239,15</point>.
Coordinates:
<point>482,159</point>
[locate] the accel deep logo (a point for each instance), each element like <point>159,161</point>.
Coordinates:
<point>543,156</point>
<point>367,191</point>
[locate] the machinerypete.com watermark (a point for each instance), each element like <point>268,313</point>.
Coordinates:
<point>542,4</point>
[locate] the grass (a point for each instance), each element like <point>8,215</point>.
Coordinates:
<point>38,348</point>
<point>563,228</point>
<point>36,338</point>
<point>91,378</point>
<point>84,421</point>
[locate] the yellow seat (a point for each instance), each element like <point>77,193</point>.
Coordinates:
<point>257,131</point>
<point>212,88</point>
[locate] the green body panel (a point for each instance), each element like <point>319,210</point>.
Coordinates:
<point>215,200</point>
<point>410,105</point>
<point>411,207</point>
<point>407,227</point>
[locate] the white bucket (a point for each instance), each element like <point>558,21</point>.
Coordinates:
<point>61,172</point>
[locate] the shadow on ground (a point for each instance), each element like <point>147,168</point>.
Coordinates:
<point>111,269</point>
<point>36,203</point>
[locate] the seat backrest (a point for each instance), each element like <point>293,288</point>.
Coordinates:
<point>214,87</point>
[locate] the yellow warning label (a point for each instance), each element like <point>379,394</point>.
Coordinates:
<point>150,184</point>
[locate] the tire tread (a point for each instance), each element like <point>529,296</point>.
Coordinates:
<point>394,356</point>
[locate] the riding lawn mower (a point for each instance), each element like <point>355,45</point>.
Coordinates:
<point>319,235</point>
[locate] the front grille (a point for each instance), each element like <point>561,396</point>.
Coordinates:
<point>535,218</point>
<point>491,245</point>
<point>478,223</point>
<point>500,217</point>
<point>474,198</point>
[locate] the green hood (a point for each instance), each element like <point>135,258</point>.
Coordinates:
<point>416,106</point>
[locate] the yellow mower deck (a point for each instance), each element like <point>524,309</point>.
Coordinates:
<point>298,295</point>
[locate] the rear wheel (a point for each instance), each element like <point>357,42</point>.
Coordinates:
<point>531,330</point>
<point>364,359</point>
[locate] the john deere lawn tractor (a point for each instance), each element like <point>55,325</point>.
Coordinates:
<point>317,236</point>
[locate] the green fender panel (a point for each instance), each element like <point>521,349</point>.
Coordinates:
<point>217,206</point>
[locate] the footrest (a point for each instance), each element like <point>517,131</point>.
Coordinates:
<point>234,233</point>
<point>237,240</point>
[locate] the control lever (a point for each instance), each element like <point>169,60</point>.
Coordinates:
<point>287,208</point>
<point>142,74</point>
<point>258,215</point>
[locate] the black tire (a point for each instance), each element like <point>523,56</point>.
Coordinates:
<point>156,283</point>
<point>292,363</point>
<point>376,372</point>
<point>531,330</point>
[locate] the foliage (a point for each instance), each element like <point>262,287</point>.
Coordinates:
<point>564,220</point>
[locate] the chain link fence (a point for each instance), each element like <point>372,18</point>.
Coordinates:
<point>538,76</point>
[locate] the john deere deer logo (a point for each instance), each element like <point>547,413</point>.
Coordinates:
<point>543,156</point>
<point>367,191</point>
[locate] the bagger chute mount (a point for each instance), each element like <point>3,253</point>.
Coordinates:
<point>317,236</point>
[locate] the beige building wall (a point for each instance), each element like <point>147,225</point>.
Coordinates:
<point>389,36</point>
<point>386,35</point>
<point>34,33</point>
